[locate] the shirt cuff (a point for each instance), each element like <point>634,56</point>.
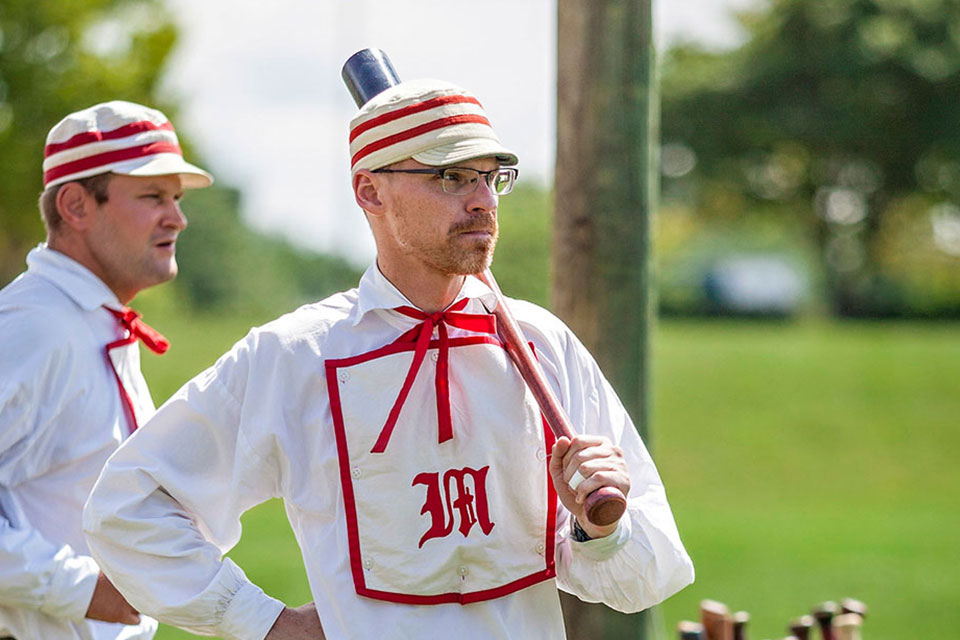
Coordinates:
<point>72,585</point>
<point>250,614</point>
<point>604,548</point>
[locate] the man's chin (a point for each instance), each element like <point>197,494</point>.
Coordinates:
<point>166,273</point>
<point>473,264</point>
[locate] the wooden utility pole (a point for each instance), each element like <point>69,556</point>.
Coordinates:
<point>606,186</point>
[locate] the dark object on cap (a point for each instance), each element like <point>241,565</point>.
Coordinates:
<point>367,73</point>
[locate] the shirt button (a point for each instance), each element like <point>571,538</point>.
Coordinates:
<point>344,376</point>
<point>356,473</point>
<point>541,455</point>
<point>540,548</point>
<point>463,570</point>
<point>435,356</point>
<point>368,564</point>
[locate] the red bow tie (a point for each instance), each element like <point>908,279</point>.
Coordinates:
<point>130,320</point>
<point>481,323</point>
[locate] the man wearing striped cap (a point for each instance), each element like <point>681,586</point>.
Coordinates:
<point>70,383</point>
<point>428,496</point>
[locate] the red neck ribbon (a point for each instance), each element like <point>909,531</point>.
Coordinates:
<point>130,320</point>
<point>421,334</point>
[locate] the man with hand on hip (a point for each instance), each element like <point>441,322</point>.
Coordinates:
<point>70,383</point>
<point>426,492</point>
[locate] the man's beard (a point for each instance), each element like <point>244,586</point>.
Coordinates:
<point>478,256</point>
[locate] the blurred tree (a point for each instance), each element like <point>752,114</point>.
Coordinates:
<point>57,57</point>
<point>226,266</point>
<point>522,260</point>
<point>837,110</point>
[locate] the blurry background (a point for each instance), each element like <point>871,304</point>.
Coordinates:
<point>807,364</point>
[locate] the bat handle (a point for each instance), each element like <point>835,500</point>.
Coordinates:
<point>603,506</point>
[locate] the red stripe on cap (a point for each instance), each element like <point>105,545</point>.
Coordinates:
<point>110,157</point>
<point>88,137</point>
<point>416,131</point>
<point>406,111</point>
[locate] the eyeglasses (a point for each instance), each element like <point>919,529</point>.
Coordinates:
<point>459,181</point>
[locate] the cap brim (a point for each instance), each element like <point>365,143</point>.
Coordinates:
<point>191,177</point>
<point>464,150</point>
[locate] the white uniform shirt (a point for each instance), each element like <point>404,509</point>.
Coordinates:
<point>258,424</point>
<point>61,416</point>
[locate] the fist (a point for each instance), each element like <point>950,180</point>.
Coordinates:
<point>582,465</point>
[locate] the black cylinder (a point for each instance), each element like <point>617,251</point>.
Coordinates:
<point>367,73</point>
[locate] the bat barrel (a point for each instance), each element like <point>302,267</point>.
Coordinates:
<point>824,614</point>
<point>801,626</point>
<point>850,605</point>
<point>740,620</point>
<point>846,626</point>
<point>687,630</point>
<point>716,619</point>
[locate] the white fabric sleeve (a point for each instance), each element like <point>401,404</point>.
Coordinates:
<point>35,573</point>
<point>643,561</point>
<point>167,507</point>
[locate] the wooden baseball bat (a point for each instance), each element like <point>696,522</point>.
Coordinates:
<point>801,626</point>
<point>740,620</point>
<point>824,613</point>
<point>687,630</point>
<point>716,619</point>
<point>846,626</point>
<point>605,505</point>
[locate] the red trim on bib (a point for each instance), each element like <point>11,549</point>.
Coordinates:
<point>420,336</point>
<point>350,505</point>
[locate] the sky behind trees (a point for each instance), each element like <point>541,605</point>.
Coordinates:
<point>263,100</point>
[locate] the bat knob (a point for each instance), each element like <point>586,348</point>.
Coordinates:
<point>604,506</point>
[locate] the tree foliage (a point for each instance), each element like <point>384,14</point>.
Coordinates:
<point>226,266</point>
<point>843,112</point>
<point>58,57</point>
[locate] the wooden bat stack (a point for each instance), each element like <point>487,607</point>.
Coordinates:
<point>832,621</point>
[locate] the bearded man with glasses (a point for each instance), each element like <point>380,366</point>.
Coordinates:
<point>428,496</point>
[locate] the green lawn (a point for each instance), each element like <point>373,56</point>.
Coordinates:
<point>803,462</point>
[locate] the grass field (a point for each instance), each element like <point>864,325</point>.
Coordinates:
<point>803,463</point>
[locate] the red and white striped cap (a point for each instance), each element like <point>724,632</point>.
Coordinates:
<point>433,122</point>
<point>118,137</point>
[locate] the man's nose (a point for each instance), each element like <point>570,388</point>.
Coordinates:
<point>175,217</point>
<point>483,198</point>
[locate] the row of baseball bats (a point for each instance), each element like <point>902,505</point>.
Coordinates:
<point>829,620</point>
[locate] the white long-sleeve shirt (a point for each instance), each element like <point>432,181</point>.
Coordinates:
<point>259,424</point>
<point>60,418</point>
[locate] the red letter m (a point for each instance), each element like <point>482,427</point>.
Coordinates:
<point>472,507</point>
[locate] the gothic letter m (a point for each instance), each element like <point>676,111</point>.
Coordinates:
<point>440,504</point>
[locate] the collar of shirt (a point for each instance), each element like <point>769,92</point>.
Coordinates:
<point>376,292</point>
<point>76,281</point>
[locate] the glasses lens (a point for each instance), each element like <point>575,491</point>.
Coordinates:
<point>460,181</point>
<point>501,182</point>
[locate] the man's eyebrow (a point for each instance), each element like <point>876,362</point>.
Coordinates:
<point>159,186</point>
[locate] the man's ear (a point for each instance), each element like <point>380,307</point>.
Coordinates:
<point>73,205</point>
<point>366,191</point>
